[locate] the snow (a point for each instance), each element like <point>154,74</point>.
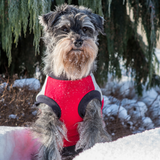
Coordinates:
<point>2,86</point>
<point>34,113</point>
<point>131,112</point>
<point>17,144</point>
<point>140,113</point>
<point>141,146</point>
<point>12,116</point>
<point>147,123</point>
<point>32,83</point>
<point>113,109</point>
<point>157,52</point>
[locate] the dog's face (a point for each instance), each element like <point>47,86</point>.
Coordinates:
<point>70,35</point>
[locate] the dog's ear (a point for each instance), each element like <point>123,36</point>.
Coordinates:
<point>98,22</point>
<point>48,20</point>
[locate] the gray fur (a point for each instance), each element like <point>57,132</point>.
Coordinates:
<point>50,131</point>
<point>92,129</point>
<point>48,128</point>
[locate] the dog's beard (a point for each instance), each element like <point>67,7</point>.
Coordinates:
<point>74,63</point>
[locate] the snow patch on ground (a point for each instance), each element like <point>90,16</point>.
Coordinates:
<point>113,109</point>
<point>2,86</point>
<point>140,113</point>
<point>32,83</point>
<point>12,116</point>
<point>157,52</point>
<point>17,144</point>
<point>135,147</point>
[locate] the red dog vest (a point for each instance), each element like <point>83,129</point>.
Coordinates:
<point>69,100</point>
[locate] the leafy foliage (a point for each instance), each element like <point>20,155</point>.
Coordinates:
<point>16,14</point>
<point>124,42</point>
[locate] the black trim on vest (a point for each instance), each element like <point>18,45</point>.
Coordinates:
<point>86,99</point>
<point>50,102</point>
<point>61,77</point>
<point>70,151</point>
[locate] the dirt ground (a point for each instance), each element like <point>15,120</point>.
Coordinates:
<point>16,105</point>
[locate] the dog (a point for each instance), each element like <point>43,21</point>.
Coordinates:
<point>70,102</point>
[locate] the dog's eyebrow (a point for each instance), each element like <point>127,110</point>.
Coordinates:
<point>83,17</point>
<point>86,22</point>
<point>64,22</point>
<point>79,14</point>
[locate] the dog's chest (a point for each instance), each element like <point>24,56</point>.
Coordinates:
<point>68,94</point>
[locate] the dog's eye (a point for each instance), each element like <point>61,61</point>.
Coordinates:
<point>65,29</point>
<point>86,29</point>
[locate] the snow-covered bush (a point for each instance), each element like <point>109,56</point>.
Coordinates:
<point>134,113</point>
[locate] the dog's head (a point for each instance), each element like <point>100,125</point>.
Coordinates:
<point>70,35</point>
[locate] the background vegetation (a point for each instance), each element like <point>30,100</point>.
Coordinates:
<point>21,48</point>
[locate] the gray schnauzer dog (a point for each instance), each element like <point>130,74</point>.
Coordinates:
<point>70,102</point>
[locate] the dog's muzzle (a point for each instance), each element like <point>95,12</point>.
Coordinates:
<point>78,43</point>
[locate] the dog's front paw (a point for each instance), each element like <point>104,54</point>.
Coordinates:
<point>49,153</point>
<point>91,136</point>
<point>105,137</point>
<point>92,128</point>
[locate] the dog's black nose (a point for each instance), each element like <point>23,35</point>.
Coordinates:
<point>78,43</point>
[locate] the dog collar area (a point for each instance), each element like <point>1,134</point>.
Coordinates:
<point>61,77</point>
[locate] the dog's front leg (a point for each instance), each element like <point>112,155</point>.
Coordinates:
<point>92,130</point>
<point>50,131</point>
